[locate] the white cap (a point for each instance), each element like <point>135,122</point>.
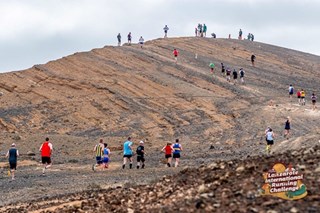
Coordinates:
<point>141,142</point>
<point>13,144</point>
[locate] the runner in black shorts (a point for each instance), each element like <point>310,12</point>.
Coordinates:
<point>168,150</point>
<point>176,154</point>
<point>140,155</point>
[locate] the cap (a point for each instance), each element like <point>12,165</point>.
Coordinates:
<point>13,144</point>
<point>141,142</point>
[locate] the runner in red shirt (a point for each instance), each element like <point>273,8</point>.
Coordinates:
<point>168,150</point>
<point>175,53</point>
<point>46,150</point>
<point>299,96</point>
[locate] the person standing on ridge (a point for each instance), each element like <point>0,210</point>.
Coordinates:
<point>141,41</point>
<point>314,100</point>
<point>46,151</point>
<point>196,31</point>
<point>241,73</point>
<point>175,54</point>
<point>204,30</point>
<point>98,150</point>
<point>235,76</point>
<point>119,39</point>
<point>252,37</point>
<point>165,29</point>
<point>140,155</point>
<point>129,38</point>
<point>303,96</point>
<point>127,153</point>
<point>253,57</point>
<point>12,155</point>
<point>290,91</point>
<point>240,35</point>
<point>168,150</point>
<point>287,128</point>
<point>176,153</point>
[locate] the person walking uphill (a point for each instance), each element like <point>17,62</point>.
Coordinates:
<point>314,100</point>
<point>119,39</point>
<point>46,151</point>
<point>253,57</point>
<point>211,65</point>
<point>176,153</point>
<point>140,155</point>
<point>287,128</point>
<point>127,153</point>
<point>12,155</point>
<point>175,54</point>
<point>165,29</point>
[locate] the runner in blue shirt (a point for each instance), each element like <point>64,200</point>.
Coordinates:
<point>127,153</point>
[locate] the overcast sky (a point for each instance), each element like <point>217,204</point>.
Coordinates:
<point>37,31</point>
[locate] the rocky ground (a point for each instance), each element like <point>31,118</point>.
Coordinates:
<point>222,186</point>
<point>114,92</point>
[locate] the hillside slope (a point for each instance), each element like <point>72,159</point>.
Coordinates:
<point>114,92</point>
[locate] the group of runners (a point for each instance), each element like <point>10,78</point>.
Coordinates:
<point>227,72</point>
<point>45,152</point>
<point>301,95</point>
<point>102,152</point>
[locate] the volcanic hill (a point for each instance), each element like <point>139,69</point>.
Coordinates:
<point>116,92</point>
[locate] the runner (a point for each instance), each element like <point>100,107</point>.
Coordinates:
<point>290,91</point>
<point>140,155</point>
<point>98,150</point>
<point>223,69</point>
<point>235,76</point>
<point>46,151</point>
<point>165,29</point>
<point>141,41</point>
<point>196,31</point>
<point>127,153</point>
<point>211,65</point>
<point>241,73</point>
<point>303,95</point>
<point>175,53</point>
<point>314,100</point>
<point>168,153</point>
<point>270,137</point>
<point>204,30</point>
<point>119,39</point>
<point>129,38</point>
<point>228,71</point>
<point>176,154</point>
<point>299,96</point>
<point>12,155</point>
<point>106,153</point>
<point>253,57</point>
<point>287,128</point>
